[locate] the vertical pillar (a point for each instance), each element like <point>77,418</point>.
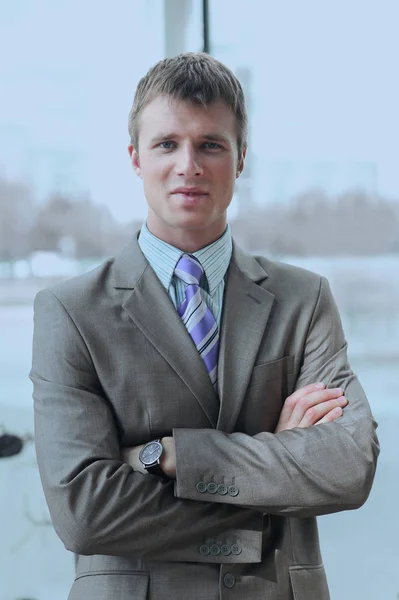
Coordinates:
<point>178,14</point>
<point>244,191</point>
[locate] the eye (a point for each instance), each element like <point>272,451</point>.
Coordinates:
<point>167,145</point>
<point>212,145</point>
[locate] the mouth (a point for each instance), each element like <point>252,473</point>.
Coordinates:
<point>189,198</point>
<point>189,192</point>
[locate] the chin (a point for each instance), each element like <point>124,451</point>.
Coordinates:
<point>193,222</point>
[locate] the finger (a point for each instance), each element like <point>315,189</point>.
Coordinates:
<point>317,412</point>
<point>312,399</point>
<point>285,420</point>
<point>307,389</point>
<point>331,416</point>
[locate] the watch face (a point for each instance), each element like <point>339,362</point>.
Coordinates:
<point>150,453</point>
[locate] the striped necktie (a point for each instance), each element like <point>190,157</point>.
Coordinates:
<point>197,316</point>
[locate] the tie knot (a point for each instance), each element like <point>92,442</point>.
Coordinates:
<point>189,270</point>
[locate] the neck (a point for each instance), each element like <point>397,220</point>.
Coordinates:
<point>187,240</point>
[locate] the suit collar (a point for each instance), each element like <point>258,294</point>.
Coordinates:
<point>151,309</point>
<point>129,265</point>
<point>248,265</point>
<point>246,309</point>
<point>163,258</point>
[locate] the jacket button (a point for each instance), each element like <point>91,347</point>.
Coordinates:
<point>204,550</point>
<point>222,489</point>
<point>229,580</point>
<point>215,550</point>
<point>225,550</point>
<point>233,491</point>
<point>236,549</point>
<point>201,487</point>
<point>212,487</point>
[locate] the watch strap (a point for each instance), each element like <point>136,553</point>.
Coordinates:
<point>155,468</point>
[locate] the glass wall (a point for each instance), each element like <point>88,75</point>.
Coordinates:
<point>323,193</point>
<point>68,199</point>
<point>320,189</point>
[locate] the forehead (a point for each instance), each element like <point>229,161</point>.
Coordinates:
<point>165,114</point>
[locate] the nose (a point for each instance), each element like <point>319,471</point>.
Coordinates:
<point>188,163</point>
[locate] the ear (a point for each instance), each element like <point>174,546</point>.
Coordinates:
<point>134,157</point>
<point>241,162</point>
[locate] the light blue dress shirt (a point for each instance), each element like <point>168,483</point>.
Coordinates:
<point>214,259</point>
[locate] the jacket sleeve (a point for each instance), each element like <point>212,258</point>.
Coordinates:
<point>97,503</point>
<point>301,472</point>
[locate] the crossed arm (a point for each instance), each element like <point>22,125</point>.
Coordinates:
<point>308,406</point>
<point>100,505</point>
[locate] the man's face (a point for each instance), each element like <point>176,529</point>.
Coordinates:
<point>188,160</point>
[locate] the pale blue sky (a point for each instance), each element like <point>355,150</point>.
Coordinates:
<point>325,86</point>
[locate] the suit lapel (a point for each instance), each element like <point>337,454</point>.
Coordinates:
<point>151,309</point>
<point>246,310</point>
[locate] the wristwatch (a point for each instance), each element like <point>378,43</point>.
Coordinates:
<point>150,455</point>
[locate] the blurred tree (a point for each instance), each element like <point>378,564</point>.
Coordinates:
<point>77,228</point>
<point>354,223</point>
<point>17,213</point>
<point>312,224</point>
<point>369,225</point>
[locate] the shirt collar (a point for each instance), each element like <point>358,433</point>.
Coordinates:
<point>163,257</point>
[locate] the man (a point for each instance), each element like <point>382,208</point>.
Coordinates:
<point>189,397</point>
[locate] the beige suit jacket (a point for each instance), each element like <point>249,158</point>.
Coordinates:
<point>113,366</point>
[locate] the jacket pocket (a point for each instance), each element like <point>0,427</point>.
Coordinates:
<point>309,583</point>
<point>110,585</point>
<point>275,369</point>
<point>265,395</point>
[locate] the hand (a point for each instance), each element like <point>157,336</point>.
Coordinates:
<point>131,457</point>
<point>311,405</point>
<point>168,458</point>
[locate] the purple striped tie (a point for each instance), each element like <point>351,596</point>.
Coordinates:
<point>197,316</point>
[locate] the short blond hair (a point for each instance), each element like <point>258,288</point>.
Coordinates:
<point>194,77</point>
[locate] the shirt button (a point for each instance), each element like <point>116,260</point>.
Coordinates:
<point>233,491</point>
<point>212,488</point>
<point>229,580</point>
<point>222,489</point>
<point>225,550</point>
<point>236,549</point>
<point>204,550</point>
<point>201,487</point>
<point>215,550</point>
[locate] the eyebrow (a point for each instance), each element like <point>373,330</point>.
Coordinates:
<point>216,137</point>
<point>212,137</point>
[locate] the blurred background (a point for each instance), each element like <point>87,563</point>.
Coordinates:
<point>320,189</point>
